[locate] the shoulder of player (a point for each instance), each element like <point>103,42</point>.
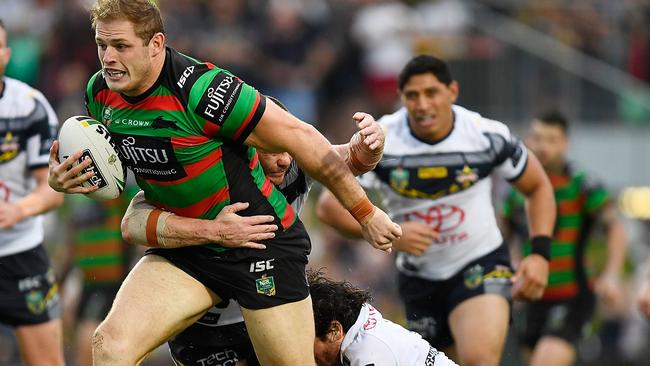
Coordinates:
<point>30,100</point>
<point>182,71</point>
<point>474,120</point>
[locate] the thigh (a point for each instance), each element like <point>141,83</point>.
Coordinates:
<point>479,302</point>
<point>155,301</point>
<point>479,326</point>
<point>283,334</point>
<point>41,344</point>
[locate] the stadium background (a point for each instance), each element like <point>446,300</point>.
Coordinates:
<point>326,59</point>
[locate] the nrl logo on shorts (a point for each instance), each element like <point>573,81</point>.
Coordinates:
<point>35,302</point>
<point>107,118</point>
<point>473,277</point>
<point>265,285</point>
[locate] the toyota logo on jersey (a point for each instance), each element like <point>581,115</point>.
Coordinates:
<point>442,218</point>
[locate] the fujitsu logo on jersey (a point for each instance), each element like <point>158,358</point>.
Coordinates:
<point>186,73</point>
<point>149,157</point>
<point>137,154</point>
<point>217,96</point>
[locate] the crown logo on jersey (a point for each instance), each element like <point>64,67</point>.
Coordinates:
<point>466,176</point>
<point>9,147</point>
<point>107,117</point>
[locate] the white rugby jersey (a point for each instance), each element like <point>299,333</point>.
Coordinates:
<point>27,127</point>
<point>447,186</point>
<point>375,341</point>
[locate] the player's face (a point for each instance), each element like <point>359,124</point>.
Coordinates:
<point>5,52</point>
<point>429,102</point>
<point>127,62</point>
<point>549,143</point>
<point>275,165</point>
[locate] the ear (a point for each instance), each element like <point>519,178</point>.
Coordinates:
<point>453,88</point>
<point>335,333</point>
<point>157,44</point>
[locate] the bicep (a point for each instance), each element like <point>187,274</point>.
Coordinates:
<point>532,176</point>
<point>280,131</point>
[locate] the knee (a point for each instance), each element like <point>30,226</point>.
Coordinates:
<point>108,348</point>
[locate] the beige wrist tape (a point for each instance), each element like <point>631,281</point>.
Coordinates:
<point>360,158</point>
<point>145,222</point>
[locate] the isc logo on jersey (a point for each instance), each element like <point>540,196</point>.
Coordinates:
<point>93,139</point>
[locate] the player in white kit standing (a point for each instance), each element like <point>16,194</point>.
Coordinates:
<point>435,180</point>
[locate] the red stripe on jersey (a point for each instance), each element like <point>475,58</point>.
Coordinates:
<point>211,129</point>
<point>209,65</point>
<point>267,187</point>
<point>189,141</point>
<point>248,119</point>
<point>151,103</point>
<point>558,181</point>
<point>569,235</point>
<point>254,161</point>
<point>201,207</point>
<point>561,264</point>
<point>561,292</point>
<point>288,217</point>
<point>569,207</point>
<point>194,169</point>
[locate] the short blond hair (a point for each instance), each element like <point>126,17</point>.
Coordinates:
<point>144,14</point>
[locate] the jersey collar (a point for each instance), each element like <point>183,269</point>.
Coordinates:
<point>429,141</point>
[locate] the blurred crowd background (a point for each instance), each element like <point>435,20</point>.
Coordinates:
<point>326,59</point>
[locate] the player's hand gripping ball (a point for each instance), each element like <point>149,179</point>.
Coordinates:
<point>92,137</point>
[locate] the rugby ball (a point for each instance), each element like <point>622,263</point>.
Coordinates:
<point>90,136</point>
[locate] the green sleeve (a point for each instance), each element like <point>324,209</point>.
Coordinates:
<point>225,106</point>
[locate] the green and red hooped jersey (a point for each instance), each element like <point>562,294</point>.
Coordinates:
<point>183,139</point>
<point>579,199</point>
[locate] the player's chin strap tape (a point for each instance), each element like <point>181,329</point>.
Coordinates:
<point>360,158</point>
<point>541,244</point>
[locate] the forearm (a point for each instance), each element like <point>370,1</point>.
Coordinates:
<point>321,161</point>
<point>144,224</point>
<point>541,211</point>
<point>331,213</point>
<point>616,248</point>
<point>39,201</point>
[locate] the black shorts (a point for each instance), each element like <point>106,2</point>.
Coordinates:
<point>562,319</point>
<point>257,279</point>
<point>200,345</point>
<point>28,289</point>
<point>96,301</point>
<point>429,303</point>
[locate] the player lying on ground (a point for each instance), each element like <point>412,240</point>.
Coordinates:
<point>350,331</point>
